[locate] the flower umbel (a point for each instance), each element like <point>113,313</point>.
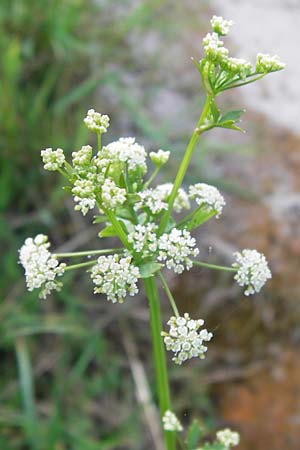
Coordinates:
<point>96,122</point>
<point>228,438</point>
<point>267,63</point>
<point>41,266</point>
<point>184,338</point>
<point>116,277</point>
<point>208,196</point>
<point>53,159</point>
<point>220,25</point>
<point>175,248</point>
<point>144,239</point>
<point>170,422</point>
<point>252,270</point>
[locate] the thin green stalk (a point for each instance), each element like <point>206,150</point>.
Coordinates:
<point>214,266</point>
<point>117,226</point>
<point>99,141</point>
<point>184,165</point>
<point>152,177</point>
<point>160,362</point>
<point>77,266</point>
<point>88,252</point>
<point>169,294</point>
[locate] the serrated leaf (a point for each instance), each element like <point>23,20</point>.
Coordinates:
<point>230,125</point>
<point>199,217</point>
<point>193,435</point>
<point>123,213</point>
<point>148,269</point>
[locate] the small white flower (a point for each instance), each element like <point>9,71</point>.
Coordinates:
<point>252,270</point>
<point>170,422</point>
<point>152,199</point>
<point>181,201</point>
<point>84,194</point>
<point>96,122</point>
<point>208,196</point>
<point>220,25</point>
<point>126,150</point>
<point>213,48</point>
<point>53,159</point>
<point>111,195</point>
<point>185,339</point>
<point>175,248</point>
<point>267,63</point>
<point>144,239</point>
<point>82,158</point>
<point>160,157</point>
<point>41,267</point>
<point>239,66</point>
<point>116,277</point>
<point>228,438</point>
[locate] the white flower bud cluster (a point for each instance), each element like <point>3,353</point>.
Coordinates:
<point>181,201</point>
<point>221,26</point>
<point>252,270</point>
<point>111,195</point>
<point>96,122</point>
<point>53,159</point>
<point>185,339</point>
<point>84,194</point>
<point>125,150</point>
<point>214,49</point>
<point>228,438</point>
<point>152,199</point>
<point>238,66</point>
<point>116,277</point>
<point>175,248</point>
<point>144,239</point>
<point>208,196</point>
<point>160,157</point>
<point>170,422</point>
<point>267,63</point>
<point>41,267</point>
<point>82,158</point>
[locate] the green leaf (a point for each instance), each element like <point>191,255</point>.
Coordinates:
<point>193,435</point>
<point>232,116</point>
<point>200,216</point>
<point>149,268</point>
<point>214,111</point>
<point>108,231</point>
<point>100,219</point>
<point>231,126</point>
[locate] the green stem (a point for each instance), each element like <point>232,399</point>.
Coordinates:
<point>88,252</point>
<point>117,226</point>
<point>184,165</point>
<point>214,266</point>
<point>169,294</point>
<point>99,141</point>
<point>155,172</point>
<point>160,362</point>
<point>77,266</point>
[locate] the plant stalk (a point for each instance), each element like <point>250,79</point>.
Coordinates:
<point>160,363</point>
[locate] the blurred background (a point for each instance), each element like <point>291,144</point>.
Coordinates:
<point>76,370</point>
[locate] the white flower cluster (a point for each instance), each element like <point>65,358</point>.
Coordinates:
<point>252,270</point>
<point>53,159</point>
<point>221,26</point>
<point>160,157</point>
<point>144,239</point>
<point>41,267</point>
<point>228,438</point>
<point>82,158</point>
<point>267,63</point>
<point>238,66</point>
<point>125,150</point>
<point>184,338</point>
<point>175,248</point>
<point>111,195</point>
<point>208,196</point>
<point>84,194</point>
<point>115,276</point>
<point>170,422</point>
<point>96,122</point>
<point>214,49</point>
<point>156,199</point>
